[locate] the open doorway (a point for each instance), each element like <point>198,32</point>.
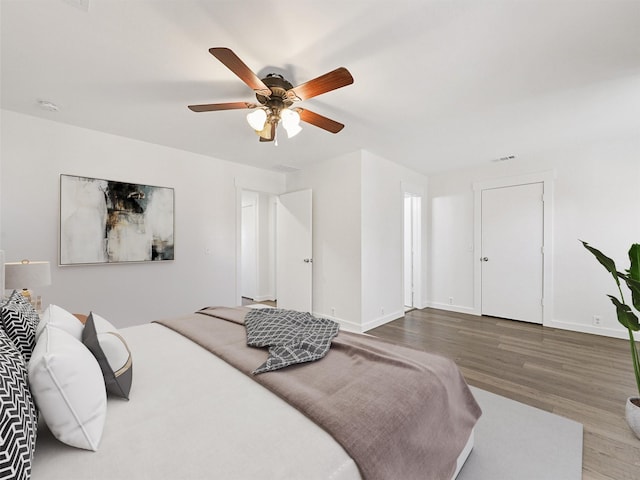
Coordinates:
<point>274,262</point>
<point>249,245</point>
<point>412,250</point>
<point>257,247</point>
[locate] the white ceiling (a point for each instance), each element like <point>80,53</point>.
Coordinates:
<point>438,84</point>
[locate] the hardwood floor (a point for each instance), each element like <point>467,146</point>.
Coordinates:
<point>586,378</point>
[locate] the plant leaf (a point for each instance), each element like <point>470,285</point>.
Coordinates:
<point>634,257</point>
<point>633,278</point>
<point>625,315</point>
<point>634,286</point>
<point>605,261</point>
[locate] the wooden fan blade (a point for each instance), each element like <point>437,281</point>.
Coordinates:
<point>338,78</point>
<point>237,66</point>
<point>212,107</point>
<point>319,121</point>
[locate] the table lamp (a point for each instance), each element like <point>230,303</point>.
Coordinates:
<point>25,274</point>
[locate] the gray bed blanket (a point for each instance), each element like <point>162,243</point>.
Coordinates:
<point>399,413</point>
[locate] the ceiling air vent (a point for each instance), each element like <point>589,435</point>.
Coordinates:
<point>285,168</point>
<point>504,159</point>
<point>81,4</point>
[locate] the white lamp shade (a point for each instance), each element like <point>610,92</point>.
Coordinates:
<point>289,118</point>
<point>26,274</point>
<point>291,122</point>
<point>257,118</point>
<point>292,130</point>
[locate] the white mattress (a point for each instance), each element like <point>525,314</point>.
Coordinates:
<point>192,416</point>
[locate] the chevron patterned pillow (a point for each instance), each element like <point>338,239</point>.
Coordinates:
<point>18,414</point>
<point>19,321</point>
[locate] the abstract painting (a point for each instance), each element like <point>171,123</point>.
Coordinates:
<point>104,221</point>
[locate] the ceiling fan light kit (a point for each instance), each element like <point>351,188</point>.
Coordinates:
<point>276,96</point>
<point>291,122</point>
<point>257,119</point>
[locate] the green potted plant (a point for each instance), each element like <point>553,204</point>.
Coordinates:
<point>627,317</point>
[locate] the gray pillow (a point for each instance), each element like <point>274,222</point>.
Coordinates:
<point>112,353</point>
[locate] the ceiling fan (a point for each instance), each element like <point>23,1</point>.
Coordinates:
<point>276,97</point>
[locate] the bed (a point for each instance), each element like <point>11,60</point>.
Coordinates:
<point>194,414</point>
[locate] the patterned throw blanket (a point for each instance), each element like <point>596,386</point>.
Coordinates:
<point>292,337</point>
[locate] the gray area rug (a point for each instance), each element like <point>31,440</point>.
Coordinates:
<point>514,441</point>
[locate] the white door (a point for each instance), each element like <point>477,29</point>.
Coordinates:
<point>248,246</point>
<point>512,252</point>
<point>294,248</point>
<point>408,251</point>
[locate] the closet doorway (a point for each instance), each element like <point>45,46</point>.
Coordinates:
<point>512,255</point>
<point>513,233</point>
<point>412,249</point>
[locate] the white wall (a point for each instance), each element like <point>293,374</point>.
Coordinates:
<point>383,238</point>
<point>35,152</point>
<point>357,237</point>
<point>337,285</point>
<point>596,198</point>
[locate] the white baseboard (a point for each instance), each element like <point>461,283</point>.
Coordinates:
<point>376,322</point>
<point>453,308</point>
<point>577,327</point>
<point>350,326</point>
<point>559,324</point>
<point>347,325</point>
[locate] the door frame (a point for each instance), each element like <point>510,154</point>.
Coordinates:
<point>253,205</point>
<point>547,179</point>
<point>240,185</point>
<point>419,260</point>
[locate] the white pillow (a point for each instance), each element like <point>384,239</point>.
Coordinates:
<point>67,385</point>
<point>59,317</point>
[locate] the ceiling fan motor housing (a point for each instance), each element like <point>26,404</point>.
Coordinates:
<point>279,87</point>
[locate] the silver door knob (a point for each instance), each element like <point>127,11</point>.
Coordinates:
<point>484,259</point>
<point>308,260</point>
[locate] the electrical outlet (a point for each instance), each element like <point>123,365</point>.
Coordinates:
<point>597,320</point>
<point>382,311</point>
<point>450,300</point>
<point>333,312</point>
